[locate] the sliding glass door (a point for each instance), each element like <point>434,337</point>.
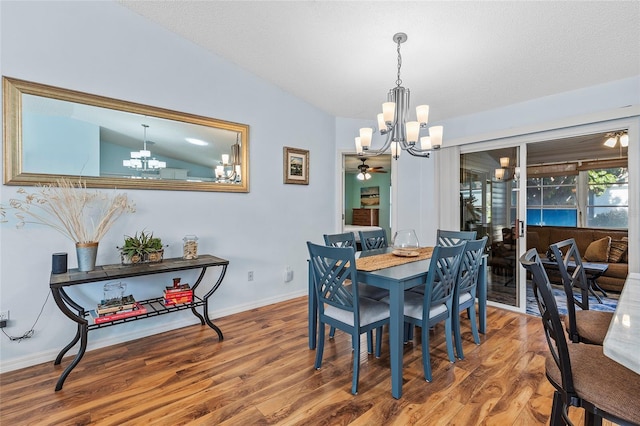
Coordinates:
<point>490,204</point>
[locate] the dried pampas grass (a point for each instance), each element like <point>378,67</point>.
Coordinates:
<point>77,213</point>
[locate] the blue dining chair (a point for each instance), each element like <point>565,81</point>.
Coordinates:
<point>450,238</point>
<point>374,239</point>
<point>340,304</point>
<point>345,239</point>
<point>464,296</point>
<point>436,305</point>
<point>348,239</point>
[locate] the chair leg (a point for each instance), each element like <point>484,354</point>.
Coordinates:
<point>426,358</point>
<point>591,419</point>
<point>448,329</point>
<point>471,311</point>
<point>356,364</point>
<point>319,346</point>
<point>332,332</point>
<point>457,334</point>
<point>370,341</point>
<point>378,341</point>
<point>556,411</point>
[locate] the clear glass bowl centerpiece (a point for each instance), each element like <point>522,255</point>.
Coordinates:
<point>405,243</point>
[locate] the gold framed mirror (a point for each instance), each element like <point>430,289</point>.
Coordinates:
<point>51,132</point>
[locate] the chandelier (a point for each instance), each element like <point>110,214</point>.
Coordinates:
<point>142,160</point>
<point>402,135</point>
<point>613,138</point>
<point>229,170</point>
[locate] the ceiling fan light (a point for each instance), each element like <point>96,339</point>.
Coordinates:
<point>610,142</point>
<point>624,140</point>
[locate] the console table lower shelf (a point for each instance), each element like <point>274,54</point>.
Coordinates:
<point>152,307</point>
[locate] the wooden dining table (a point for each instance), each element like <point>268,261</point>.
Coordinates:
<point>397,279</point>
<point>622,342</point>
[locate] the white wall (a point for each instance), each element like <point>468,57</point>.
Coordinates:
<point>105,49</point>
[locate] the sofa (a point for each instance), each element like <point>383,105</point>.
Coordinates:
<point>595,245</point>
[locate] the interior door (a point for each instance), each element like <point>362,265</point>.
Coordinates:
<point>490,203</point>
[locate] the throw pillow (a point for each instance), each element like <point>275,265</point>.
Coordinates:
<point>598,250</point>
<point>617,250</point>
<point>625,257</point>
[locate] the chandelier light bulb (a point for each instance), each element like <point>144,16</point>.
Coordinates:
<point>422,113</point>
<point>425,143</point>
<point>395,150</point>
<point>365,137</point>
<point>435,132</point>
<point>389,111</point>
<point>624,140</point>
<point>413,131</point>
<point>358,145</point>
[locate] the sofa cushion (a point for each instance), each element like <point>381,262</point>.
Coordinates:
<point>617,270</point>
<point>617,250</point>
<point>625,256</point>
<point>598,250</point>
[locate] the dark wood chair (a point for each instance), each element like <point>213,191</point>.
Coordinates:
<point>581,374</point>
<point>582,325</point>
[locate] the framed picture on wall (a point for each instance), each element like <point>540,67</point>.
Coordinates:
<point>296,166</point>
<point>370,196</point>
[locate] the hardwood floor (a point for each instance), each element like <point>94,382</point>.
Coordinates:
<point>262,373</point>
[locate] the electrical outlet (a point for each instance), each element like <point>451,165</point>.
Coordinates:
<point>4,315</point>
<point>250,276</point>
<point>288,274</point>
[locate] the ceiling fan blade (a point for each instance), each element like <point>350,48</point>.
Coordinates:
<point>377,171</point>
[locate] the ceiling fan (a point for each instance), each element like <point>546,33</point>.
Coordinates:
<point>365,170</point>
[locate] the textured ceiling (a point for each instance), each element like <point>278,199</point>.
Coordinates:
<point>460,58</point>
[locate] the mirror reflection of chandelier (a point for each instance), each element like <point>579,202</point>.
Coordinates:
<point>402,135</point>
<point>142,160</point>
<point>229,169</point>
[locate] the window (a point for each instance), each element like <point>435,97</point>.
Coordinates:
<point>592,197</point>
<point>551,201</point>
<point>608,198</point>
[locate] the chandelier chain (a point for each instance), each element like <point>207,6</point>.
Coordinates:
<point>399,80</point>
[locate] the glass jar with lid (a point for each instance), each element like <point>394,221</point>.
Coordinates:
<point>190,247</point>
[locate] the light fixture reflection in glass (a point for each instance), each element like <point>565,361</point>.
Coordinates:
<point>504,162</point>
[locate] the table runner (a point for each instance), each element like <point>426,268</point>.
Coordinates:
<point>387,260</point>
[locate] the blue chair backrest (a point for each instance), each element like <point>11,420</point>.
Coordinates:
<point>375,239</point>
<point>450,238</point>
<point>346,239</point>
<point>470,265</point>
<point>442,275</point>
<point>333,269</point>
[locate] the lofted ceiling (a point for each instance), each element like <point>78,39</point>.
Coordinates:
<point>461,57</point>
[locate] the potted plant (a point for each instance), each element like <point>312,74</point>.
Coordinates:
<point>141,248</point>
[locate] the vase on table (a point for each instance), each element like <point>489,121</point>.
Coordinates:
<point>87,253</point>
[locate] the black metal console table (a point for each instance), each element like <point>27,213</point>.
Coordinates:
<point>154,307</point>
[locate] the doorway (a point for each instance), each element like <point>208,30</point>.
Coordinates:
<point>489,204</point>
<point>367,193</point>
